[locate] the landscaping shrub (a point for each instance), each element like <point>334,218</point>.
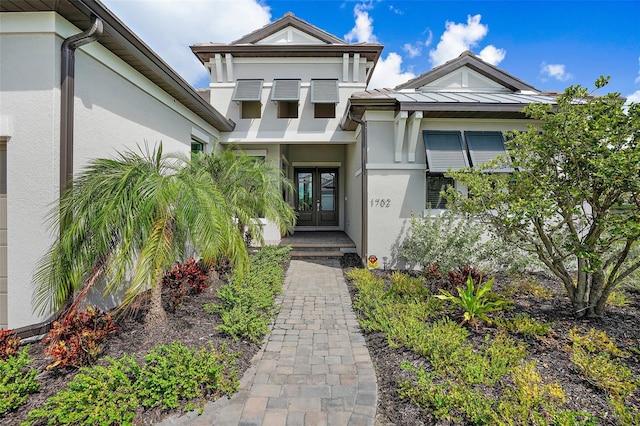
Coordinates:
<point>445,240</point>
<point>531,401</point>
<point>458,276</point>
<point>247,301</point>
<point>98,395</point>
<point>528,402</point>
<point>598,358</point>
<point>404,302</point>
<point>407,287</point>
<point>447,399</point>
<point>618,298</point>
<point>9,343</point>
<point>110,394</point>
<point>448,240</point>
<point>183,280</point>
<point>174,373</point>
<point>476,300</point>
<point>16,382</point>
<point>77,338</point>
<point>525,325</point>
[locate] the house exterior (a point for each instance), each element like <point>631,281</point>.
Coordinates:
<point>122,95</point>
<point>287,86</point>
<point>361,161</point>
<point>77,84</point>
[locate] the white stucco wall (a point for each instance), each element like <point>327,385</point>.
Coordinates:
<point>353,192</point>
<point>115,106</point>
<point>269,127</point>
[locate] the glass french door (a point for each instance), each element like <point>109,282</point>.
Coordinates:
<point>317,196</point>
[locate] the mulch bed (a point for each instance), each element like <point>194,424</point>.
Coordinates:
<point>551,354</point>
<point>189,324</point>
<point>194,328</point>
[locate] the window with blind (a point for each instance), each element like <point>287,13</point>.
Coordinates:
<point>435,186</point>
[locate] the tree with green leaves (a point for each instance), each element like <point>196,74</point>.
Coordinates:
<point>127,220</point>
<point>573,198</point>
<point>252,188</point>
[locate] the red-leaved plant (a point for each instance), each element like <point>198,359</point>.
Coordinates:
<point>76,339</point>
<point>458,277</point>
<point>183,280</point>
<point>9,343</point>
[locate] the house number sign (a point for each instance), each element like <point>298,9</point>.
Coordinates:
<point>383,203</point>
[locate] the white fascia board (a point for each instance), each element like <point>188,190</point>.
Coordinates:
<point>287,60</point>
<point>34,22</point>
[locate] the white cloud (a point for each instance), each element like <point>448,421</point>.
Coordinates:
<point>634,97</point>
<point>492,55</point>
<point>169,27</point>
<point>396,10</point>
<point>555,71</point>
<point>388,73</point>
<point>412,50</point>
<point>460,37</point>
<point>429,37</point>
<point>363,29</point>
<point>637,80</point>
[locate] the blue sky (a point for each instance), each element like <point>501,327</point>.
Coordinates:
<point>548,44</point>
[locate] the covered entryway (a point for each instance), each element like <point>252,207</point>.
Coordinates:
<point>316,200</point>
<point>3,234</point>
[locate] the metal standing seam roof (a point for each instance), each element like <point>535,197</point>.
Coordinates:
<point>459,97</point>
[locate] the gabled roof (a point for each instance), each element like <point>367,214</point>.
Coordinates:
<point>468,59</point>
<point>444,103</point>
<point>288,20</point>
<point>323,45</point>
<point>120,40</point>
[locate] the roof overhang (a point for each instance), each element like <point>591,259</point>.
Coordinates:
<point>206,51</point>
<point>120,40</point>
<point>357,107</point>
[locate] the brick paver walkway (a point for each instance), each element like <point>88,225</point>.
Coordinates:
<point>314,368</point>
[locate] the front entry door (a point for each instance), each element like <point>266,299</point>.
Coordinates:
<point>317,196</point>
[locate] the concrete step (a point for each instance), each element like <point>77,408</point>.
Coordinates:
<point>300,254</point>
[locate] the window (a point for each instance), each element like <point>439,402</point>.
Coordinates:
<point>249,94</point>
<point>435,185</point>
<point>286,93</point>
<point>484,147</point>
<point>196,146</point>
<point>250,109</point>
<point>324,97</point>
<point>324,110</point>
<point>287,109</point>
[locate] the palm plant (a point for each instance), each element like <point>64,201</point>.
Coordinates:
<point>252,188</point>
<point>128,219</point>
